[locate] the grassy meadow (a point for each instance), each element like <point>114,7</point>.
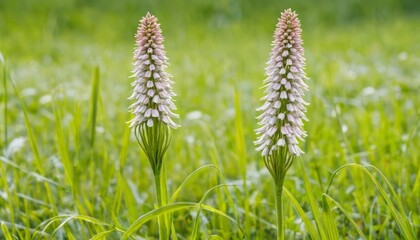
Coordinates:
<point>71,169</point>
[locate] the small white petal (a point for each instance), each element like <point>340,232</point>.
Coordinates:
<point>291,118</point>
<point>293,69</point>
<point>141,98</point>
<point>145,100</point>
<point>283,95</point>
<point>280,116</point>
<point>161,108</point>
<point>265,152</point>
<point>289,129</point>
<point>148,74</point>
<point>261,147</point>
<point>156,75</point>
<point>283,81</point>
<point>155,113</point>
<point>277,104</point>
<point>282,71</point>
<point>293,140</point>
<point>285,53</point>
<point>148,112</point>
<point>156,99</point>
<point>159,85</point>
<point>264,107</point>
<point>272,130</point>
<point>143,108</point>
<point>281,142</point>
<point>151,92</point>
<point>149,84</point>
<point>283,130</point>
<point>272,120</point>
<point>292,97</point>
<point>292,149</point>
<point>271,111</point>
<point>150,122</point>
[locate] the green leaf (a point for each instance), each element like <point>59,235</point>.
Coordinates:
<point>6,232</point>
<point>316,211</point>
<point>102,235</point>
<point>309,226</point>
<point>94,105</point>
<point>169,209</point>
<point>347,214</point>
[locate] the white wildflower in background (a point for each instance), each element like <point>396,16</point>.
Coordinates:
<point>152,87</point>
<point>284,109</point>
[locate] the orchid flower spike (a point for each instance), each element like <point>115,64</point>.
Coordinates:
<point>284,109</point>
<point>152,91</point>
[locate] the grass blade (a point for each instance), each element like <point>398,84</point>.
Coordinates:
<point>37,176</point>
<point>102,235</point>
<point>398,214</point>
<point>34,147</point>
<point>197,217</point>
<point>309,226</point>
<point>5,104</point>
<point>154,214</point>
<point>215,160</point>
<point>328,220</point>
<point>312,203</point>
<point>188,178</point>
<point>94,105</point>
<point>6,232</point>
<point>347,214</point>
<point>63,147</point>
<point>241,153</point>
<point>169,209</point>
<point>67,218</point>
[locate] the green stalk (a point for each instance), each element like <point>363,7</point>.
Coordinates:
<point>163,228</point>
<point>171,233</point>
<point>5,105</point>
<point>155,141</point>
<point>279,208</point>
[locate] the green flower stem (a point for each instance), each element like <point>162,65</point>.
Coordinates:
<point>165,200</point>
<point>160,197</point>
<point>279,207</point>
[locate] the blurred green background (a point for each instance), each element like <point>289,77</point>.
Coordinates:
<point>363,61</point>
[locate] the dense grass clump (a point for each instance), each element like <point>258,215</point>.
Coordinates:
<point>70,167</point>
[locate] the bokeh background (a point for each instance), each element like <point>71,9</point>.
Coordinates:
<point>363,61</point>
